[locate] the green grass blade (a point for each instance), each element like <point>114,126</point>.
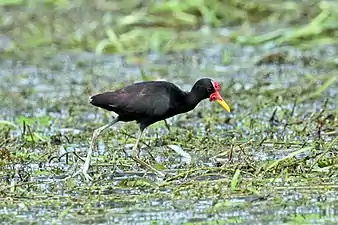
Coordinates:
<point>234,180</point>
<point>291,155</point>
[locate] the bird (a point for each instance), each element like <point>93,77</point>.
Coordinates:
<point>147,103</point>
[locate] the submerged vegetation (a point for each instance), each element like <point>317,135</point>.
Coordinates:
<point>166,26</point>
<point>273,159</point>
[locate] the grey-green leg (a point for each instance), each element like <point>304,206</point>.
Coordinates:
<point>135,158</point>
<point>96,134</point>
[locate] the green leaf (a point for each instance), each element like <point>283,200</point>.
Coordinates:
<point>7,124</point>
<point>291,155</point>
<point>234,180</point>
<point>28,120</point>
<point>10,2</point>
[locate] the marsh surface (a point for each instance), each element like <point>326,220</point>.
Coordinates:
<point>272,160</point>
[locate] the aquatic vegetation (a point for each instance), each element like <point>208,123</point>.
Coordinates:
<point>272,160</point>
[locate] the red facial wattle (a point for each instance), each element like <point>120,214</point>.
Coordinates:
<point>217,97</point>
<point>215,85</point>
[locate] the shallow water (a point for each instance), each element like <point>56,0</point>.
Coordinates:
<point>58,90</point>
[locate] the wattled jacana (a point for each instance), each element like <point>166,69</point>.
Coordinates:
<point>147,103</point>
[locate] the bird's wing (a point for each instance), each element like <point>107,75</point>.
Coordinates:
<point>144,102</point>
<point>150,100</point>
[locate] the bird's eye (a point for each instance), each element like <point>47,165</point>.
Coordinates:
<point>210,90</point>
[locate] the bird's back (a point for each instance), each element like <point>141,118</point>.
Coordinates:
<point>151,99</point>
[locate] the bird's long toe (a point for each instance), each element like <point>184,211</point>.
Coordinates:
<point>86,176</point>
<point>162,175</point>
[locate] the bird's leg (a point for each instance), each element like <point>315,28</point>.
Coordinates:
<point>135,158</point>
<point>96,134</point>
<point>167,125</point>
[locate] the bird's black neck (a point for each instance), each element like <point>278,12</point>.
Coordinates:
<point>193,98</point>
<point>186,100</point>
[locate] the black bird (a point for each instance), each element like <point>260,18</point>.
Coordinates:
<point>150,102</point>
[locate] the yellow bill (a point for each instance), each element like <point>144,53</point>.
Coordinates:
<point>223,104</point>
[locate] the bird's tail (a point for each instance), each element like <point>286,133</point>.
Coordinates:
<point>96,100</point>
<point>103,100</point>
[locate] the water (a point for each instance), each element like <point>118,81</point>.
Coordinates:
<point>58,90</point>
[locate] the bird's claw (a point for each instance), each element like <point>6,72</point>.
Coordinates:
<point>162,175</point>
<point>83,172</point>
<point>86,176</point>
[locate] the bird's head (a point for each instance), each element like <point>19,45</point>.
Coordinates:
<point>210,89</point>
